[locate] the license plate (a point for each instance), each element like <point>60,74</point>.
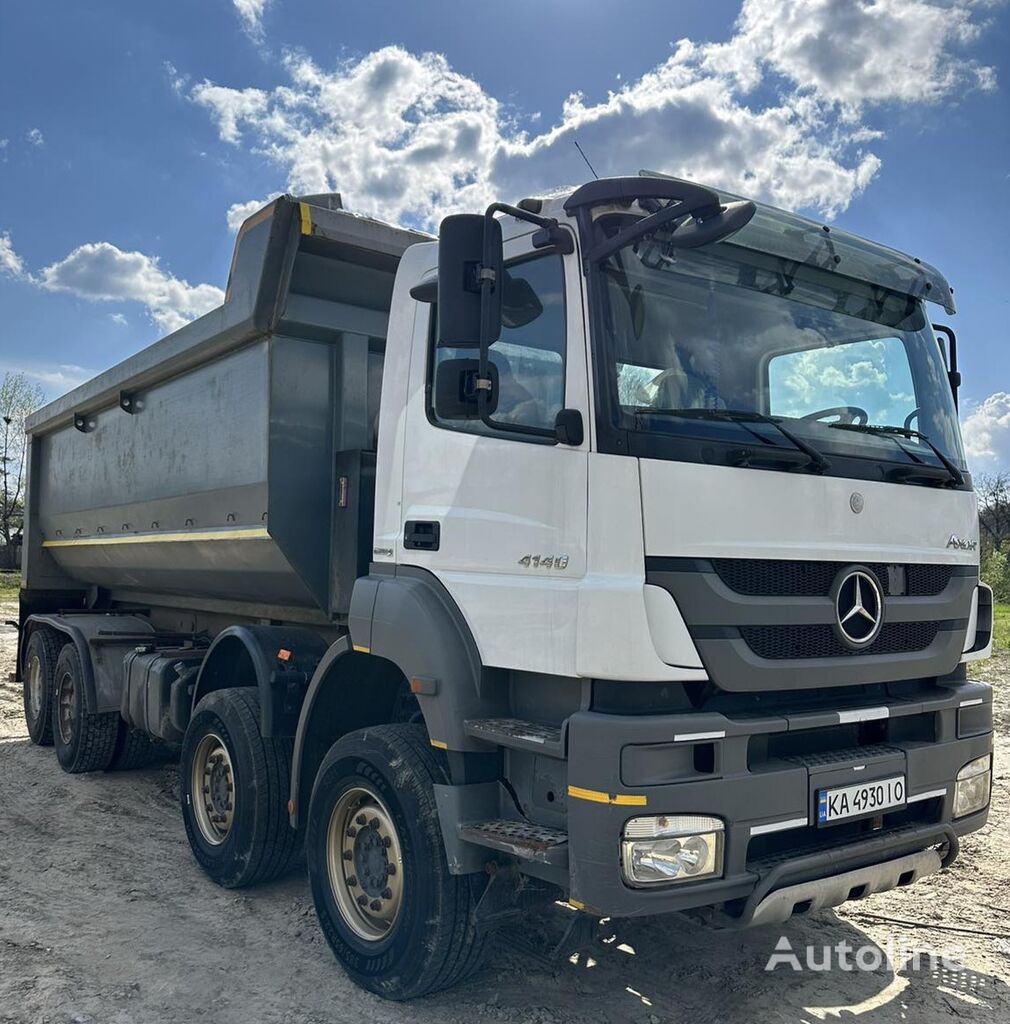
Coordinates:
<point>862,798</point>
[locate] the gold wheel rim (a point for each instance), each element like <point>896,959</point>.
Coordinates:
<point>364,861</point>
<point>66,707</point>
<point>212,786</point>
<point>35,686</point>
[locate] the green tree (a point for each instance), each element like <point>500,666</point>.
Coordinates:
<point>18,398</point>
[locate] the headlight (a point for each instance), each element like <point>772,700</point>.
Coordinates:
<point>671,848</point>
<point>971,792</point>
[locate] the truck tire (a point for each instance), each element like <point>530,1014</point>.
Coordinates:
<point>398,922</point>
<point>84,740</point>
<point>234,786</point>
<point>41,655</point>
<point>134,749</point>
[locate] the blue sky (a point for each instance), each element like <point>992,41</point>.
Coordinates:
<point>133,140</point>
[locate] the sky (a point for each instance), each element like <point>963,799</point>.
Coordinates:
<point>134,138</point>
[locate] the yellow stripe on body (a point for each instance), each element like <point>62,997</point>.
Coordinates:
<point>255,533</point>
<point>441,744</point>
<point>597,797</point>
<point>306,218</point>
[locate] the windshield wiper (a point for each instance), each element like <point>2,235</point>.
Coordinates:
<point>744,416</point>
<point>895,432</point>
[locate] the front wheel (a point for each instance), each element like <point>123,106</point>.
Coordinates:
<point>234,785</point>
<point>395,918</point>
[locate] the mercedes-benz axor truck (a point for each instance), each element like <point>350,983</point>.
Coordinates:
<point>615,549</point>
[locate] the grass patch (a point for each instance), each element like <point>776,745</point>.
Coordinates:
<point>1001,627</point>
<point>10,583</point>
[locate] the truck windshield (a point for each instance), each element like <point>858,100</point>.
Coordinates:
<point>694,340</point>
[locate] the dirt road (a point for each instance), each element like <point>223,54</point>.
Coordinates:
<point>106,919</point>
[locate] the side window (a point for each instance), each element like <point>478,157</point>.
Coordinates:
<point>529,355</point>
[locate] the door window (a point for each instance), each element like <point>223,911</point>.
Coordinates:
<point>528,357</point>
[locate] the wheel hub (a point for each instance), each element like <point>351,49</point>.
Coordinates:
<point>212,789</point>
<point>35,685</point>
<point>365,863</point>
<point>66,708</point>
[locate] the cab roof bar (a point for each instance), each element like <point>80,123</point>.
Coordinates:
<point>631,188</point>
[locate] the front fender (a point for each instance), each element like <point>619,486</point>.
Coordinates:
<point>408,617</point>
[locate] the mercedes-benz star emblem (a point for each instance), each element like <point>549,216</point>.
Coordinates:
<point>859,608</point>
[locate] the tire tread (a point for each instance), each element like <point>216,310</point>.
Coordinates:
<point>96,731</point>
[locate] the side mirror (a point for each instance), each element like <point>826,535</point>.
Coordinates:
<point>469,252</point>
<point>520,303</point>
<point>568,427</point>
<point>718,225</point>
<point>455,395</point>
<point>950,357</point>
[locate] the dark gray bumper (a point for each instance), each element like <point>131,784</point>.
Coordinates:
<point>621,767</point>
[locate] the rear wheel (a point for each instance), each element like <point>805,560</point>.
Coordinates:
<point>85,741</point>
<point>134,749</point>
<point>395,918</point>
<point>41,655</point>
<point>234,787</point>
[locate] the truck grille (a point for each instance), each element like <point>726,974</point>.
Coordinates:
<point>756,577</point>
<point>820,641</point>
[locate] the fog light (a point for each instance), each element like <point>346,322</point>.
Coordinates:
<point>971,792</point>
<point>671,848</point>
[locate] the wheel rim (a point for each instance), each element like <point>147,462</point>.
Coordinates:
<point>66,703</point>
<point>213,789</point>
<point>34,686</point>
<point>365,864</point>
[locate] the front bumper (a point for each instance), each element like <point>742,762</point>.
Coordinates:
<point>760,774</point>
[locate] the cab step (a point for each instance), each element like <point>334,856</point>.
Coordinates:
<point>520,839</point>
<point>517,735</point>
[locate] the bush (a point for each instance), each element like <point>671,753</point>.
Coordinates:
<point>996,572</point>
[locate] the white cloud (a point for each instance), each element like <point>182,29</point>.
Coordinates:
<point>118,318</point>
<point>405,136</point>
<point>858,52</point>
<point>101,272</point>
<point>238,212</point>
<point>36,138</point>
<point>251,14</point>
<point>986,432</point>
<point>11,263</point>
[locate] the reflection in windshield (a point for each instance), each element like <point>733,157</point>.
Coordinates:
<point>723,328</point>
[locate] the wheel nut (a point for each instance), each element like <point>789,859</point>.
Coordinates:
<point>352,832</point>
<point>374,823</point>
<point>390,869</point>
<point>362,900</point>
<point>387,894</point>
<point>387,842</point>
<point>361,819</point>
<point>352,882</point>
<point>376,905</point>
<point>348,855</point>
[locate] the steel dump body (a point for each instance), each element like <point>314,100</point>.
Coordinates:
<point>204,467</point>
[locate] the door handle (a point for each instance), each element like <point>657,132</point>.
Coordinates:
<point>421,535</point>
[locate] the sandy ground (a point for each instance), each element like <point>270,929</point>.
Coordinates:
<point>105,918</point>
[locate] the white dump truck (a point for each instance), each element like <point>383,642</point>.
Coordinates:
<point>615,548</point>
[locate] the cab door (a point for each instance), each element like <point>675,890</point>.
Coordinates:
<point>500,516</point>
